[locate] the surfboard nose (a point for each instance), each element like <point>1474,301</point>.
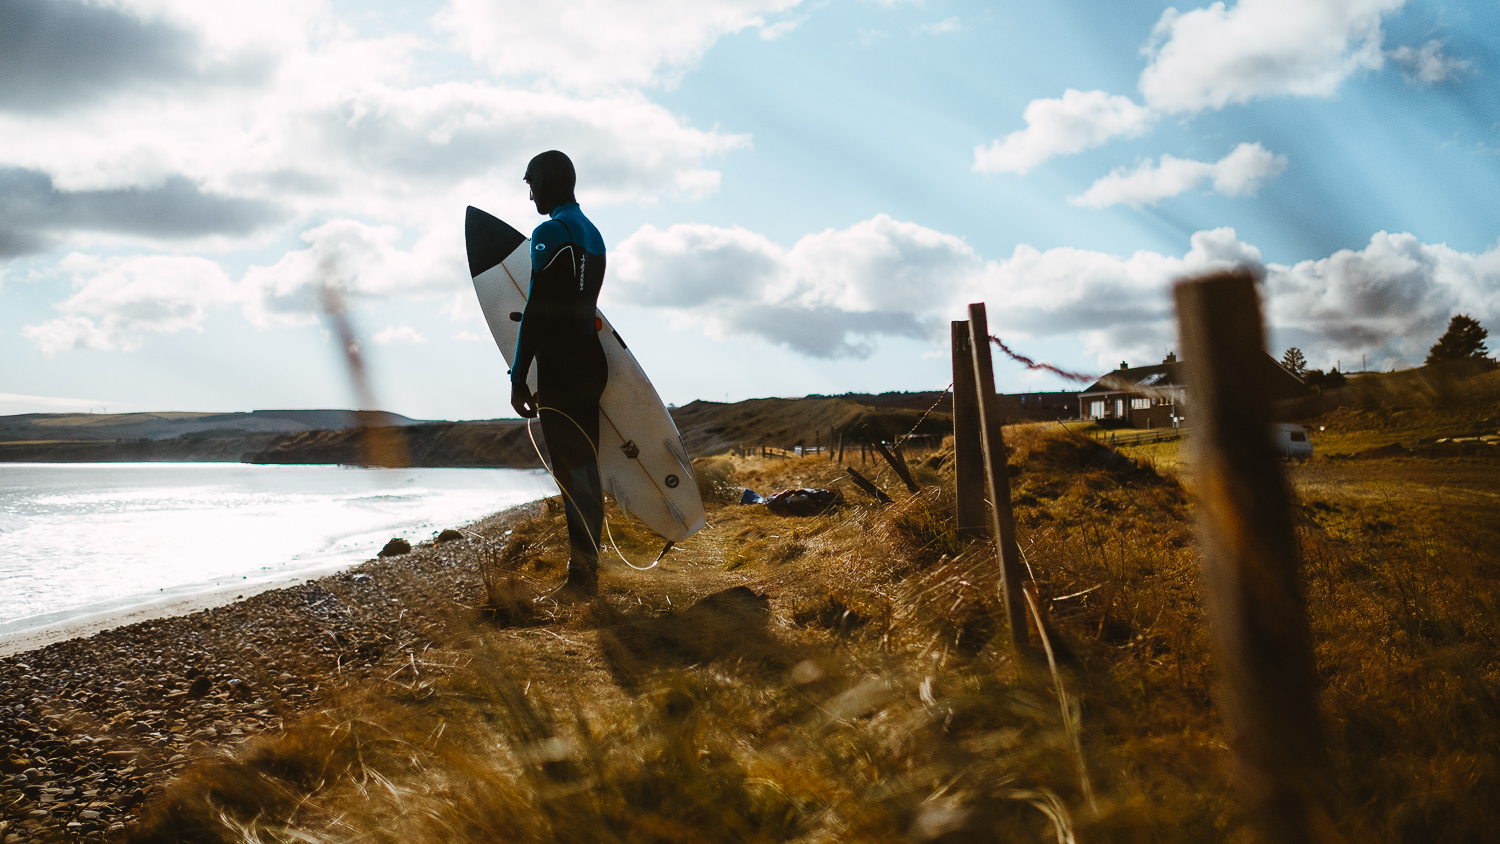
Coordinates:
<point>489,240</point>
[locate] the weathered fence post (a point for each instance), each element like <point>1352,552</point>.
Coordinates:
<point>997,480</point>
<point>1251,579</point>
<point>968,450</point>
<point>895,460</point>
<point>864,483</point>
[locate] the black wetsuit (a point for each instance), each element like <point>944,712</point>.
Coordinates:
<point>559,332</point>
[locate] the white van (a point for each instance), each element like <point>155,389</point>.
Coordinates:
<point>1291,439</point>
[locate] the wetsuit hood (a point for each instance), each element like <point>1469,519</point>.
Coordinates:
<point>552,178</point>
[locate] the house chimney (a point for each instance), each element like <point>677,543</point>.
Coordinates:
<point>1124,365</point>
<point>1171,357</point>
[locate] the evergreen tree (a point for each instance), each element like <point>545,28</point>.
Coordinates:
<point>1463,339</point>
<point>1294,361</point>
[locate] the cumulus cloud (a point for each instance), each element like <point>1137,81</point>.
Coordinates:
<point>1078,121</point>
<point>1240,173</point>
<point>1428,63</point>
<point>33,212</point>
<point>1217,56</point>
<point>1118,306</point>
<point>599,44</point>
<point>832,294</point>
<point>116,303</point>
<point>399,334</point>
<point>57,53</point>
<point>331,125</point>
<point>1391,299</point>
<point>361,262</point>
<point>840,293</point>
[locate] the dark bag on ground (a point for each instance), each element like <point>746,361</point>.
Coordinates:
<point>804,502</point>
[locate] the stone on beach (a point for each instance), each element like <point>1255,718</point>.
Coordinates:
<point>396,547</point>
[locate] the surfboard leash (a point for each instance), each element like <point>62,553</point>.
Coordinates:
<point>613,544</point>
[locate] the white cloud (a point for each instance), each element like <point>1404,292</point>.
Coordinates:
<point>1429,64</point>
<point>362,262</point>
<point>942,27</point>
<point>840,292</point>
<point>329,127</point>
<point>399,334</point>
<point>293,122</point>
<point>469,337</point>
<point>1240,173</point>
<point>1216,56</point>
<point>594,45</point>
<point>117,302</point>
<point>1392,298</point>
<point>1119,307</point>
<point>1079,121</point>
<point>832,294</point>
<point>781,28</point>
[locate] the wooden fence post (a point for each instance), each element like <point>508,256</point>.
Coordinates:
<point>894,459</point>
<point>997,481</point>
<point>1252,584</point>
<point>864,483</point>
<point>968,450</point>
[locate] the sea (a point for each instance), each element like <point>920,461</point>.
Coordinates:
<point>83,538</point>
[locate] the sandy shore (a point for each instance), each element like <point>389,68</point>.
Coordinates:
<point>97,713</point>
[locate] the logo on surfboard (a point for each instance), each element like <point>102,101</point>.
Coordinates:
<point>632,451</point>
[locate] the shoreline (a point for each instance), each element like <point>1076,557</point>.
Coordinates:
<point>131,611</point>
<point>17,642</point>
<point>97,605</point>
<point>99,718</point>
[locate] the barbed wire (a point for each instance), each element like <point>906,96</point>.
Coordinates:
<point>1031,364</point>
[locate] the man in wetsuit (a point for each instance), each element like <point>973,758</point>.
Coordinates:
<point>559,333</point>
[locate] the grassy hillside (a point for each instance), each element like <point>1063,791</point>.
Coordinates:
<point>847,677</point>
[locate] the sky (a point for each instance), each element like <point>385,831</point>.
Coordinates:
<point>797,196</point>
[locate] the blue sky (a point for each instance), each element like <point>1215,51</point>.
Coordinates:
<point>797,196</point>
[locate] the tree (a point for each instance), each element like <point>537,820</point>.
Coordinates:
<point>1294,361</point>
<point>1316,379</point>
<point>1463,339</point>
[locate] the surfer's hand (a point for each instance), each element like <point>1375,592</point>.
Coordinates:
<point>522,400</point>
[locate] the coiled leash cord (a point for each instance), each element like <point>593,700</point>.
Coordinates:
<point>592,538</point>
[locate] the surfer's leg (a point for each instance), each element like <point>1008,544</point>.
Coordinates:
<point>570,422</point>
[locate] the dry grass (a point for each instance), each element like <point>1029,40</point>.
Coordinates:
<point>846,677</point>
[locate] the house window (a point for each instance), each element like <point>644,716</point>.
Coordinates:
<point>1096,410</point>
<point>1140,404</point>
<point>1119,408</point>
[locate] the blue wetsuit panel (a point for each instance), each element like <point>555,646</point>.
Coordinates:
<point>567,269</point>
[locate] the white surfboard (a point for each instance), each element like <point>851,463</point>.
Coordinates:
<point>642,463</point>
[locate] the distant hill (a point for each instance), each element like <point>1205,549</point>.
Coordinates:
<point>169,425</point>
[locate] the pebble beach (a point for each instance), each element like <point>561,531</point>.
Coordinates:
<point>91,728</point>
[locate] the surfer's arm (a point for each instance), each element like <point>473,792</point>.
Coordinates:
<point>547,241</point>
<point>525,350</point>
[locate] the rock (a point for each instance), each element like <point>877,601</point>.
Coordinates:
<point>199,688</point>
<point>395,548</point>
<point>448,535</point>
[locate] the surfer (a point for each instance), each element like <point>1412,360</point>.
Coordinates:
<point>559,333</point>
